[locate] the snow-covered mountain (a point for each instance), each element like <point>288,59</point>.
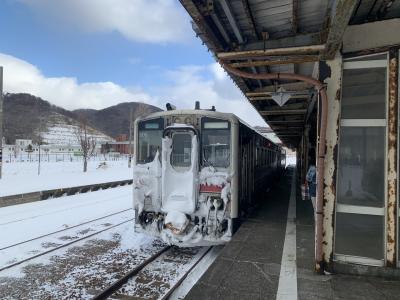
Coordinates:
<point>62,130</point>
<point>29,117</point>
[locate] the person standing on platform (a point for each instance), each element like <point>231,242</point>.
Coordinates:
<point>311,178</point>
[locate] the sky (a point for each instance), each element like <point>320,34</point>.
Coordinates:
<point>98,53</point>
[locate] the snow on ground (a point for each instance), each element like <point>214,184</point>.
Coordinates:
<point>59,213</point>
<point>81,270</point>
<point>17,253</point>
<point>157,278</point>
<point>22,177</point>
<point>78,270</point>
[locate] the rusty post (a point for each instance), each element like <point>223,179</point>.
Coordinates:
<point>392,160</point>
<point>320,87</point>
<point>331,74</point>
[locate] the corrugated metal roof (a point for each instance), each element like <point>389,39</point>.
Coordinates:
<point>238,25</point>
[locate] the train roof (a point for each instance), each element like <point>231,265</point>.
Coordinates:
<point>204,112</point>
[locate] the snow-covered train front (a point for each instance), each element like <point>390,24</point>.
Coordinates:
<point>187,168</point>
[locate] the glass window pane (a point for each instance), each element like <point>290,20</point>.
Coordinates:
<point>363,93</point>
<point>149,143</point>
<point>359,235</point>
<point>361,177</point>
<point>181,150</point>
<point>216,147</point>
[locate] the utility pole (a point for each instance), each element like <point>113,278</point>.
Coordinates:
<point>40,137</point>
<point>1,119</point>
<point>130,139</point>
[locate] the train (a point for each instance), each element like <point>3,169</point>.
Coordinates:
<point>197,172</point>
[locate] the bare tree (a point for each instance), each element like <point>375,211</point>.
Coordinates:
<point>87,143</point>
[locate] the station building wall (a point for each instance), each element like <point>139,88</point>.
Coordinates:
<point>361,183</point>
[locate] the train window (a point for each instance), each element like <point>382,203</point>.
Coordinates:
<point>215,139</point>
<point>216,125</point>
<point>149,139</point>
<point>181,155</point>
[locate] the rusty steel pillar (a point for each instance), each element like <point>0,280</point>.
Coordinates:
<point>331,75</point>
<point>391,212</point>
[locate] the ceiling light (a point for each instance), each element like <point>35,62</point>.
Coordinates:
<point>281,96</point>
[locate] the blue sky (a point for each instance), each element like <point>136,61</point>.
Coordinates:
<point>77,54</point>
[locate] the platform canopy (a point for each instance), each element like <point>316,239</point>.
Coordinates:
<point>280,36</point>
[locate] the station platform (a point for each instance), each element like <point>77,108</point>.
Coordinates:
<point>258,264</point>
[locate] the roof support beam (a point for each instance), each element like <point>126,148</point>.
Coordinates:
<point>220,28</point>
<point>293,93</point>
<point>283,112</point>
<point>295,7</point>
<point>202,25</point>
<point>271,52</point>
<point>228,12</point>
<point>289,135</point>
<point>270,97</point>
<point>298,40</point>
<point>250,17</point>
<point>293,86</point>
<point>273,60</point>
<point>285,121</point>
<point>232,21</point>
<point>277,128</point>
<point>293,106</point>
<point>341,13</point>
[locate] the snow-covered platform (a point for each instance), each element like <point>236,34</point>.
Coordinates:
<point>271,257</point>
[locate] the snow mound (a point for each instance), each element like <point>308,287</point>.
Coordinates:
<point>209,176</point>
<point>177,220</point>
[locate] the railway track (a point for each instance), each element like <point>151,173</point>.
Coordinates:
<point>65,229</point>
<point>152,272</point>
<point>13,264</point>
<point>89,203</point>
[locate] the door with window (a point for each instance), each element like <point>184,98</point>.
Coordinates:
<point>179,170</point>
<point>361,181</point>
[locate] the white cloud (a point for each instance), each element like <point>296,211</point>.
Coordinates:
<point>154,21</point>
<point>22,77</point>
<point>182,86</point>
<point>211,86</point>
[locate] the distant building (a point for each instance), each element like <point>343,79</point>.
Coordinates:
<point>121,145</point>
<point>23,143</point>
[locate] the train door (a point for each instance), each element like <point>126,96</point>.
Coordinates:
<point>361,189</point>
<point>179,170</point>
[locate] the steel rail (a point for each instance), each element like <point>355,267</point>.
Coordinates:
<point>120,282</point>
<point>179,282</point>
<point>65,229</point>
<point>62,246</point>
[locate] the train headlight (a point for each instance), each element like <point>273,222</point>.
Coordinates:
<point>177,120</point>
<point>188,121</point>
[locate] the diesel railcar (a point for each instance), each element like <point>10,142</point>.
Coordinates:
<point>196,172</point>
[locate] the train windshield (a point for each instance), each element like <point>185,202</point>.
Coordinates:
<point>181,155</point>
<point>216,143</point>
<point>149,140</point>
